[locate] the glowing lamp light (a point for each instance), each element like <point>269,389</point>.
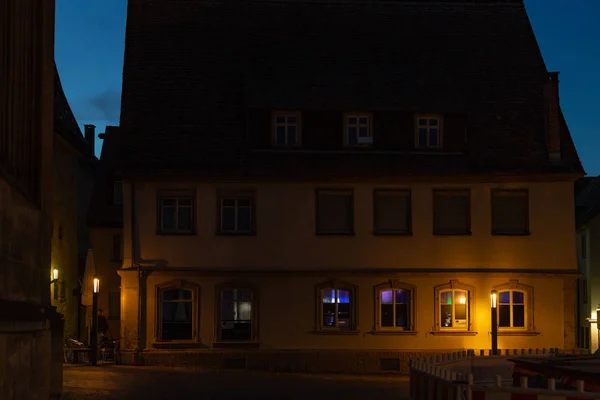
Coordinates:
<point>494,299</point>
<point>55,274</point>
<point>96,285</point>
<point>462,300</point>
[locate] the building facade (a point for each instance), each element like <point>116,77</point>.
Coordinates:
<point>27,323</point>
<point>335,187</point>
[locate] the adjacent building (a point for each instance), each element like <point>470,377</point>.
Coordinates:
<point>587,211</point>
<point>27,323</point>
<point>339,186</point>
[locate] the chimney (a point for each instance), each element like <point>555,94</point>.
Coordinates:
<point>90,133</point>
<point>552,117</point>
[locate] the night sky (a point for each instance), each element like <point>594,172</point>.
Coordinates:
<point>90,38</point>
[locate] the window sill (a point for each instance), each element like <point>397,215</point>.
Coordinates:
<point>395,333</point>
<point>452,233</point>
<point>336,332</point>
<point>454,333</point>
<point>511,233</point>
<point>319,233</point>
<point>219,233</point>
<point>178,345</point>
<point>236,345</point>
<point>518,333</point>
<point>392,233</point>
<point>167,233</point>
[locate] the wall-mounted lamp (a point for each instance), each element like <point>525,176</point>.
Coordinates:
<point>54,275</point>
<point>96,285</point>
<point>54,283</point>
<point>494,304</point>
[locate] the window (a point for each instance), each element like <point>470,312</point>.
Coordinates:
<point>336,311</point>
<point>358,130</point>
<point>510,212</point>
<point>391,209</point>
<point>237,315</point>
<point>286,129</point>
<point>236,212</point>
<point>452,212</point>
<point>118,193</point>
<point>454,307</point>
<point>117,248</point>
<point>515,308</point>
<point>395,308</point>
<point>428,132</point>
<point>114,305</point>
<point>511,309</point>
<point>335,211</point>
<point>177,312</point>
<point>176,213</point>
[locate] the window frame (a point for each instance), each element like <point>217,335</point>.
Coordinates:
<point>529,329</point>
<point>236,195</point>
<point>335,192</point>
<point>275,124</point>
<point>240,285</point>
<point>395,284</point>
<point>498,191</point>
<point>427,126</point>
<point>336,284</point>
<point>347,126</point>
<point>176,195</point>
<point>439,192</point>
<point>471,309</point>
<point>393,192</point>
<point>177,285</point>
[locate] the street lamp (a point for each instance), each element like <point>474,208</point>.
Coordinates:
<point>494,301</point>
<point>94,335</point>
<point>54,283</point>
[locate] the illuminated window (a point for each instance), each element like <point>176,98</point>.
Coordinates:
<point>286,129</point>
<point>428,132</point>
<point>177,312</point>
<point>336,307</point>
<point>358,130</point>
<point>454,309</point>
<point>511,309</point>
<point>395,307</point>
<point>237,314</point>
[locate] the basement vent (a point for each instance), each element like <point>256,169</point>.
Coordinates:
<point>389,364</point>
<point>234,363</point>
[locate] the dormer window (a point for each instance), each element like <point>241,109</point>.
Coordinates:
<point>358,130</point>
<point>286,129</point>
<point>428,133</point>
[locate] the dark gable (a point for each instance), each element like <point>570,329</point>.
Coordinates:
<point>196,71</point>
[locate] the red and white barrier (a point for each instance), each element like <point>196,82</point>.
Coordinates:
<point>498,392</point>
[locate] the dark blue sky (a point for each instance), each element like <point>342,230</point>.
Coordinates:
<point>90,39</point>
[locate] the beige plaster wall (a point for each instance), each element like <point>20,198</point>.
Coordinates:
<point>286,231</point>
<point>287,309</point>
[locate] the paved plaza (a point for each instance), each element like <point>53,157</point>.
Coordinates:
<point>112,382</point>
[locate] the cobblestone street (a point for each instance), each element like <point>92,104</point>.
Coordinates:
<point>147,383</point>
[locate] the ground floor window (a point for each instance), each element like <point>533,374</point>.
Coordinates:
<point>453,307</point>
<point>336,306</point>
<point>236,315</point>
<point>515,307</point>
<point>394,302</point>
<point>177,313</point>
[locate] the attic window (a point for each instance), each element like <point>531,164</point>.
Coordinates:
<point>428,134</point>
<point>358,130</point>
<point>286,129</point>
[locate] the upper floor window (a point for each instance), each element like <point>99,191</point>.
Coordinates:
<point>452,212</point>
<point>510,212</point>
<point>335,211</point>
<point>176,212</point>
<point>117,193</point>
<point>286,129</point>
<point>358,129</point>
<point>428,132</point>
<point>236,212</point>
<point>391,212</point>
<point>337,303</point>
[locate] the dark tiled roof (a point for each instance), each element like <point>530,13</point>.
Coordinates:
<point>102,211</point>
<point>192,68</point>
<point>64,120</point>
<point>587,200</point>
